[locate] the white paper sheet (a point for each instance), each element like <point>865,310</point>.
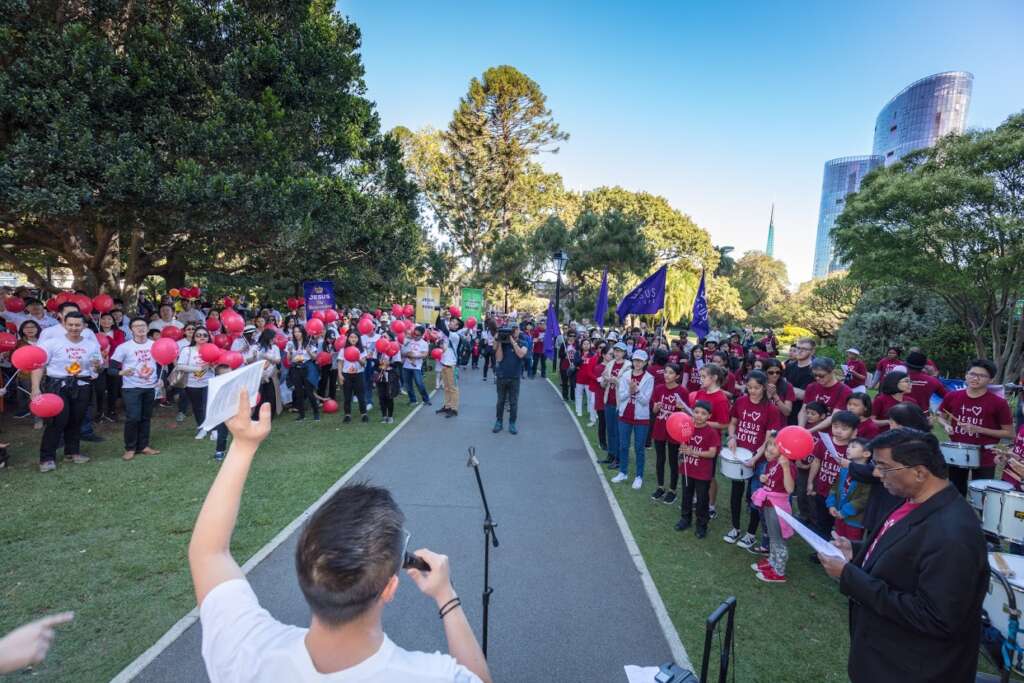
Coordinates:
<point>640,674</point>
<point>816,542</point>
<point>222,396</point>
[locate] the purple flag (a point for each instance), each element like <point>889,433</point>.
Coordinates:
<point>700,324</point>
<point>551,331</point>
<point>602,301</point>
<point>647,297</point>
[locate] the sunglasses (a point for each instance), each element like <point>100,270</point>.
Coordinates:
<point>773,372</point>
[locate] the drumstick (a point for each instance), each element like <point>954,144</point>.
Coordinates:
<point>1003,567</point>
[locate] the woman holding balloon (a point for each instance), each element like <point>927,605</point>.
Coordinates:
<point>303,375</point>
<point>268,352</point>
<point>28,335</point>
<point>190,360</point>
<point>350,374</point>
<point>107,387</point>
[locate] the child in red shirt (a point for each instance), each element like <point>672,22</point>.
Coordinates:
<point>777,483</point>
<point>668,398</point>
<point>698,468</point>
<point>583,379</point>
<point>860,405</point>
<point>825,465</point>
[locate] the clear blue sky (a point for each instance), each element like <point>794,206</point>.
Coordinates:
<point>720,109</point>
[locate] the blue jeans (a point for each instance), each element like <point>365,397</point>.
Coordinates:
<point>527,363</point>
<point>371,367</point>
<point>639,434</point>
<point>611,423</point>
<point>412,378</point>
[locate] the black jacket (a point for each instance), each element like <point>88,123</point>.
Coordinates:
<point>915,605</point>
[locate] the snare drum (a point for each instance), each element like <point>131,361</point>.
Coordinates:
<point>732,464</point>
<point>997,603</point>
<point>1011,515</point>
<point>992,505</point>
<point>976,493</point>
<point>961,454</point>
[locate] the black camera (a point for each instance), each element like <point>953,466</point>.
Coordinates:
<point>505,333</point>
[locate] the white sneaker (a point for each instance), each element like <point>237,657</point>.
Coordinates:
<point>732,536</point>
<point>369,406</point>
<point>637,483</point>
<point>213,435</point>
<point>579,414</point>
<point>620,477</point>
<point>592,423</point>
<point>201,434</point>
<point>746,542</point>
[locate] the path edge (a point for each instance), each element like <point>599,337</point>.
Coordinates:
<point>174,632</point>
<point>664,621</point>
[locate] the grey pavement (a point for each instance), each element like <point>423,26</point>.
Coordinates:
<point>568,602</point>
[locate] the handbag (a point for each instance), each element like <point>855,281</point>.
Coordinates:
<point>178,379</point>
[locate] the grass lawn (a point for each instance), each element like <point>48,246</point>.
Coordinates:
<point>108,539</point>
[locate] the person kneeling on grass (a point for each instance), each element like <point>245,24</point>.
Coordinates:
<point>348,559</point>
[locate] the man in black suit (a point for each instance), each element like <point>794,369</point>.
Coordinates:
<point>917,581</point>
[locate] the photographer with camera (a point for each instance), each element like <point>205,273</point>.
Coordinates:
<point>348,559</point>
<point>510,348</point>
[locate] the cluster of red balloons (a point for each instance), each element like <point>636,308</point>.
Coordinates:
<point>231,321</point>
<point>399,310</point>
<point>295,302</point>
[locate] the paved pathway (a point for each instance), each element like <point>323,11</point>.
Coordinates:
<point>568,602</point>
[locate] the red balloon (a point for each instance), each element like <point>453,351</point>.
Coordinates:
<point>232,359</point>
<point>291,303</point>
<point>408,309</point>
<point>365,326</point>
<point>397,327</point>
<point>164,351</point>
<point>409,325</point>
<point>228,302</point>
<point>470,322</point>
<point>104,341</point>
<point>84,303</point>
<point>212,324</point>
<point>46,405</point>
<point>351,354</point>
<point>330,406</point>
<point>8,341</point>
<point>679,426</point>
<point>382,345</point>
<point>172,332</point>
<point>281,341</point>
<point>393,348</point>
<point>378,313</point>
<point>436,354</point>
<point>222,340</point>
<point>319,315</point>
<point>63,297</point>
<point>51,304</point>
<point>28,358</point>
<point>396,309</point>
<point>233,323</point>
<point>331,316</point>
<point>103,303</point>
<point>14,304</point>
<point>314,326</point>
<point>455,311</point>
<point>400,337</point>
<point>339,343</point>
<point>12,328</point>
<point>210,353</point>
<point>794,442</point>
<point>323,358</point>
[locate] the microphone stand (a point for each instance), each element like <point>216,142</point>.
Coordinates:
<point>490,537</point>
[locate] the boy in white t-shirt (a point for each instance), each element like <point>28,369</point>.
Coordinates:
<point>348,560</point>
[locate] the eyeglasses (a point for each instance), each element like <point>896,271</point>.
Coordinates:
<point>978,375</point>
<point>886,470</point>
<point>773,372</point>
<point>804,348</point>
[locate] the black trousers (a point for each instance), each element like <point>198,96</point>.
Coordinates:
<point>823,522</point>
<point>960,476</point>
<point>701,488</point>
<point>328,384</point>
<point>303,390</point>
<point>267,395</point>
<point>602,437</point>
<point>384,400</point>
<point>738,496</point>
<point>568,377</point>
<point>197,397</point>
<point>107,389</point>
<point>68,424</point>
<point>138,411</point>
<point>803,502</point>
<point>508,392</point>
<point>353,385</point>
<point>672,448</point>
<point>488,354</point>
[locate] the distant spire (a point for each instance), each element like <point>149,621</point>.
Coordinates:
<point>770,250</point>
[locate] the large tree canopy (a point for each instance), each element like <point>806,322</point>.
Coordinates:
<point>174,137</point>
<point>949,220</point>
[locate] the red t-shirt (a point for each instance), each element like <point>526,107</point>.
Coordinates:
<point>897,514</point>
<point>886,364</point>
<point>834,397</point>
<point>673,358</point>
<point>857,365</point>
<point>867,429</point>
<point>596,371</point>
<point>703,439</point>
<point>988,410</point>
<point>1017,454</point>
<point>583,371</point>
<point>692,377</point>
<point>753,420</point>
<point>538,340</point>
<point>736,349</point>
<point>640,343</point>
<point>776,482</point>
<point>117,337</point>
<point>883,403</point>
<point>924,385</point>
<point>829,467</point>
<point>658,372</point>
<point>730,384</point>
<point>719,405</point>
<point>616,367</point>
<point>664,402</point>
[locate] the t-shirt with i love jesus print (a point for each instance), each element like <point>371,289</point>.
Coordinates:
<point>664,402</point>
<point>775,481</point>
<point>834,397</point>
<point>987,410</point>
<point>1014,470</point>
<point>754,421</point>
<point>703,439</point>
<point>828,467</point>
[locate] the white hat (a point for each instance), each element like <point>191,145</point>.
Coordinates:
<point>853,351</point>
<point>639,354</point>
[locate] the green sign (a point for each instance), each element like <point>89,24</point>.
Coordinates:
<point>472,303</point>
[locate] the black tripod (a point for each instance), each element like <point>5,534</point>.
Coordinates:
<point>489,538</point>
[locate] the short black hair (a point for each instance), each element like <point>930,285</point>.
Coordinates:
<point>675,368</point>
<point>861,441</point>
<point>348,551</point>
<point>706,405</point>
<point>67,304</point>
<point>864,399</point>
<point>985,364</point>
<point>890,383</point>
<point>909,415</point>
<point>758,376</point>
<point>912,447</point>
<point>661,356</point>
<point>132,321</point>
<point>817,406</point>
<point>845,417</point>
<point>75,315</point>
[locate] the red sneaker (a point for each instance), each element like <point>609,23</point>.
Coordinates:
<point>761,565</point>
<point>770,576</point>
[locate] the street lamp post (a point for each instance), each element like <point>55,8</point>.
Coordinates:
<point>560,258</point>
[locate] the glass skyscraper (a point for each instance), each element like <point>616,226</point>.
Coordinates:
<point>922,113</point>
<point>842,177</point>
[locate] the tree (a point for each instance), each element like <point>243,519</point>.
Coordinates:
<point>820,305</point>
<point>949,220</point>
<point>163,139</point>
<point>726,263</point>
<point>762,282</point>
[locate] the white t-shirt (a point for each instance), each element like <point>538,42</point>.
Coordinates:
<point>348,366</point>
<point>139,358</point>
<point>70,359</point>
<point>412,346</point>
<point>451,343</point>
<point>161,324</point>
<point>19,318</point>
<point>243,643</point>
<point>370,344</point>
<point>199,373</point>
<point>58,332</point>
<point>191,315</point>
